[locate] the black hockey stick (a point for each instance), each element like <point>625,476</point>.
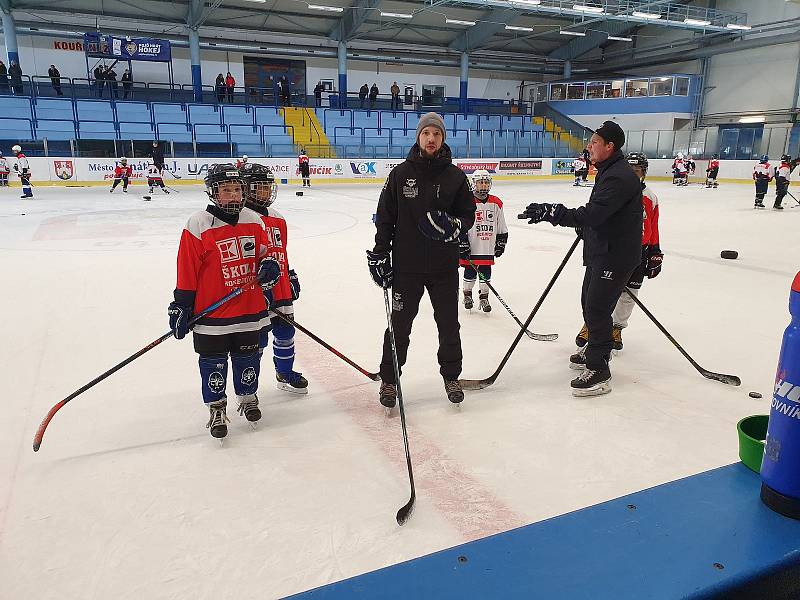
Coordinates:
<point>793,198</point>
<point>324,344</point>
<point>405,512</point>
<point>37,439</point>
<point>542,337</point>
<point>727,379</point>
<point>479,384</point>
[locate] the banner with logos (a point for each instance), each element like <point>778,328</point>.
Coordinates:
<point>98,45</point>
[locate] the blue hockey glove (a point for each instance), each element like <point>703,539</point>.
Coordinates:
<point>380,268</point>
<point>269,272</point>
<point>295,283</point>
<point>439,226</point>
<point>179,317</point>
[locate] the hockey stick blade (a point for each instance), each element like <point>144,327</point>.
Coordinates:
<point>542,337</point>
<point>405,512</point>
<point>727,379</point>
<point>476,384</point>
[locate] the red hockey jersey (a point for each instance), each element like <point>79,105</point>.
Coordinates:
<point>302,160</point>
<point>650,220</point>
<point>276,229</point>
<point>214,258</point>
<point>120,172</point>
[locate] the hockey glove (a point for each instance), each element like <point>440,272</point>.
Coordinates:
<point>295,283</point>
<point>16,167</point>
<point>179,317</point>
<point>535,213</point>
<point>464,251</point>
<point>380,268</point>
<point>269,272</point>
<point>654,259</point>
<point>439,226</point>
<point>500,244</point>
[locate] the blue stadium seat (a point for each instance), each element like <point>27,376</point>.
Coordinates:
<point>168,113</point>
<point>363,118</point>
<point>209,132</point>
<point>512,123</point>
<point>136,131</point>
<point>97,130</point>
<point>237,115</point>
<point>176,132</point>
<point>205,114</point>
<point>389,119</point>
<point>268,115</point>
<point>134,112</point>
<point>95,110</point>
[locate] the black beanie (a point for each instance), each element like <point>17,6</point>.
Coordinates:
<point>612,133</point>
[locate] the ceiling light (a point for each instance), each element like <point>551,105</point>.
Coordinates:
<point>458,22</point>
<point>758,119</point>
<point>620,39</point>
<point>516,28</point>
<point>737,26</point>
<point>576,33</point>
<point>327,8</point>
<point>699,22</point>
<point>589,9</point>
<point>261,1</point>
<point>645,15</point>
<point>526,2</point>
<point>397,15</point>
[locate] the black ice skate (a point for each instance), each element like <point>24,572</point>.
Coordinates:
<point>484,302</point>
<point>218,419</point>
<point>248,408</point>
<point>616,339</point>
<point>454,392</point>
<point>592,383</point>
<point>468,303</point>
<point>777,207</point>
<point>388,394</point>
<point>292,382</point>
<point>583,337</point>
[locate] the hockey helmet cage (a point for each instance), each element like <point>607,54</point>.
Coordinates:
<point>680,155</point>
<point>260,187</point>
<point>786,158</point>
<point>225,187</point>
<point>481,183</point>
<point>123,160</point>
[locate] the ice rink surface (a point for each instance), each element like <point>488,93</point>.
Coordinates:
<point>130,498</point>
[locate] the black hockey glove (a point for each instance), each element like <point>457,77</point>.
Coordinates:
<point>464,251</point>
<point>179,317</point>
<point>295,283</point>
<point>500,244</point>
<point>654,259</point>
<point>439,226</point>
<point>535,213</point>
<point>269,272</point>
<point>380,268</point>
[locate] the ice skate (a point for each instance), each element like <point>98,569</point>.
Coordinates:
<point>583,337</point>
<point>484,302</point>
<point>454,392</point>
<point>591,383</point>
<point>293,382</point>
<point>217,422</point>
<point>616,339</point>
<point>577,361</point>
<point>468,303</point>
<point>248,408</point>
<point>777,207</point>
<point>388,395</point>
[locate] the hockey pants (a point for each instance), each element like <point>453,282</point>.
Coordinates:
<point>780,192</point>
<point>762,185</point>
<point>117,181</point>
<point>213,363</point>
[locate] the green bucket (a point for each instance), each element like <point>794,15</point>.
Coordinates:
<point>752,433</point>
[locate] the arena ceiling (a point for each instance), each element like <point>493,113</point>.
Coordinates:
<point>522,35</point>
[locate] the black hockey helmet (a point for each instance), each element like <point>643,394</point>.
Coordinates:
<point>764,159</point>
<point>225,187</point>
<point>260,188</point>
<point>638,159</point>
<point>715,156</point>
<point>786,158</point>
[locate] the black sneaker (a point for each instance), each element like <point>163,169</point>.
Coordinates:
<point>388,394</point>
<point>592,383</point>
<point>248,408</point>
<point>218,419</point>
<point>454,392</point>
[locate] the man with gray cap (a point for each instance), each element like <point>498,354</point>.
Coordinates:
<point>425,206</point>
<point>611,225</point>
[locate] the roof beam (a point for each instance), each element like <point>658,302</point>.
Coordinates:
<point>580,46</point>
<point>488,27</point>
<point>352,19</point>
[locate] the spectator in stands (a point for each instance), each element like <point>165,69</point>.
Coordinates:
<point>55,79</point>
<point>286,92</point>
<point>219,88</point>
<point>318,89</point>
<point>113,87</point>
<point>15,72</point>
<point>230,83</point>
<point>3,78</point>
<point>362,95</point>
<point>373,95</point>
<point>127,83</point>
<point>99,78</point>
<point>395,96</point>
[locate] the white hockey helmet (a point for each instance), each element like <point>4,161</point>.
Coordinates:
<point>16,149</point>
<point>481,183</point>
<point>123,160</point>
<point>680,155</point>
<point>244,157</point>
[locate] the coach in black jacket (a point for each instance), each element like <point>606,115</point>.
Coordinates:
<point>612,248</point>
<point>424,207</point>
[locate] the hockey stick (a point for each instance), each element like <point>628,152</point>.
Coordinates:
<point>37,439</point>
<point>479,384</point>
<point>405,512</point>
<point>788,193</point>
<point>291,321</point>
<point>727,379</point>
<point>542,337</point>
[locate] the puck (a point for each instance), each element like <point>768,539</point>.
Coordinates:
<point>298,193</point>
<point>146,197</point>
<point>754,395</point>
<point>729,254</point>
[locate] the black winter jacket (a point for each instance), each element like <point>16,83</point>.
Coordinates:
<point>612,220</point>
<point>414,187</point>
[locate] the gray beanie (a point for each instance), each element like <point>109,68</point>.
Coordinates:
<point>431,119</point>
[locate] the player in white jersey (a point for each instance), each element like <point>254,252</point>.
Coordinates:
<point>783,173</point>
<point>23,169</point>
<point>3,171</point>
<point>154,178</point>
<point>762,175</point>
<point>484,242</point>
<point>581,169</point>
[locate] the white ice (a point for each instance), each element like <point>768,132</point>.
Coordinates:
<point>130,498</point>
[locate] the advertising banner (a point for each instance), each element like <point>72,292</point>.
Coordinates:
<point>106,46</point>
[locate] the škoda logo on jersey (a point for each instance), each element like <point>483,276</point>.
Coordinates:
<point>791,392</point>
<point>237,248</point>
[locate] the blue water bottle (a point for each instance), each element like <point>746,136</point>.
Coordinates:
<point>780,470</point>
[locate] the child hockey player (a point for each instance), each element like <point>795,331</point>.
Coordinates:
<point>680,171</point>
<point>221,248</point>
<point>260,192</point>
<point>240,163</point>
<point>652,257</point>
<point>783,173</point>
<point>484,242</point>
<point>712,171</point>
<point>581,169</point>
<point>690,167</point>
<point>154,178</point>
<point>762,175</point>
<point>122,173</point>
<point>23,169</point>
<point>3,171</point>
